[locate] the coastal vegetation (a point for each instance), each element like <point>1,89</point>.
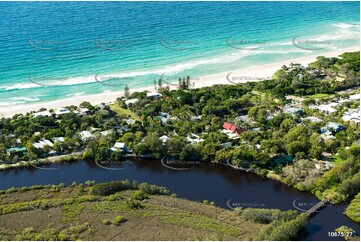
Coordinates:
<point>125,211</point>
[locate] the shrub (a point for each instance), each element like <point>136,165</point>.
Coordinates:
<point>108,188</point>
<point>106,221</point>
<point>140,195</point>
<point>133,204</point>
<point>118,220</point>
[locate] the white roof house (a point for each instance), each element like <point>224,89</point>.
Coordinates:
<point>43,143</point>
<point>154,94</point>
<point>327,135</point>
<point>105,133</point>
<point>164,138</point>
<point>82,111</point>
<point>42,114</point>
<point>86,135</point>
<point>355,96</point>
<point>294,111</point>
<point>195,118</point>
<point>131,101</point>
<point>313,119</point>
<point>352,115</point>
<point>118,146</point>
<point>230,134</point>
<point>61,111</point>
<point>327,108</point>
<point>60,139</point>
<point>129,121</point>
<point>194,139</point>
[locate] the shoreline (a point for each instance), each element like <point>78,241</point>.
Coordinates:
<point>254,73</point>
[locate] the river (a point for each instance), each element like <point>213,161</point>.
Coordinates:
<point>226,186</point>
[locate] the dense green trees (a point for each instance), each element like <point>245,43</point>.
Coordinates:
<point>283,229</point>
<point>353,210</point>
<point>266,216</point>
<point>108,188</point>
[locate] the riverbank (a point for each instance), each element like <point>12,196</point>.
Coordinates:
<point>256,73</point>
<point>140,212</point>
<point>40,162</point>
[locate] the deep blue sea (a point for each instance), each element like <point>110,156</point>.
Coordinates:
<point>55,50</point>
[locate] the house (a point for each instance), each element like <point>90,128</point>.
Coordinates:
<point>131,101</point>
<point>164,117</point>
<point>299,76</point>
<point>82,111</point>
<point>16,151</point>
<point>61,111</point>
<point>352,115</point>
<point>42,143</point>
<point>129,121</point>
<point>328,131</point>
<point>231,127</point>
<point>118,146</point>
<point>164,138</point>
<point>271,116</point>
<point>282,160</point>
<point>195,118</point>
<point>154,95</point>
<point>123,129</point>
<point>42,114</point>
<point>355,97</point>
<point>59,139</point>
<point>230,134</point>
<point>327,135</point>
<point>86,135</point>
<point>296,65</point>
<point>326,108</point>
<point>226,145</point>
<point>244,119</point>
<point>340,81</point>
<point>106,132</point>
<point>294,111</point>
<point>312,119</point>
<point>334,127</point>
<point>194,139</point>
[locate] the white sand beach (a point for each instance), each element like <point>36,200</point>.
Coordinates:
<point>256,73</point>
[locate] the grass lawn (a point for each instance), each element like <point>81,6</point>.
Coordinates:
<point>319,95</point>
<point>122,111</point>
<point>335,159</point>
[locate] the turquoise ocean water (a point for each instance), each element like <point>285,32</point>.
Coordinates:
<point>55,50</point>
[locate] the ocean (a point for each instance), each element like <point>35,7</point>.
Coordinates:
<point>57,50</point>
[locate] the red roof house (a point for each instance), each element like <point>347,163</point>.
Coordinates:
<point>232,127</point>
